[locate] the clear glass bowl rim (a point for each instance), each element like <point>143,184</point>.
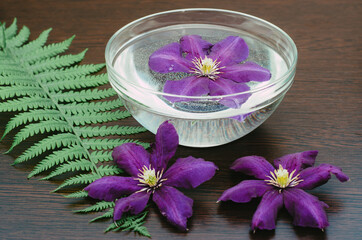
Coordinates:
<point>279,80</point>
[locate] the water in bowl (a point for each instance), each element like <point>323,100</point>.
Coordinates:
<point>199,123</point>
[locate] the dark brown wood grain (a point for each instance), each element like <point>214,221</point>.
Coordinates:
<point>321,111</point>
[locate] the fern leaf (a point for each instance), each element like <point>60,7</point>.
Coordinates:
<point>25,103</point>
<point>77,165</point>
<point>10,32</point>
<point>57,62</point>
<point>31,116</point>
<point>2,40</point>
<point>19,39</point>
<point>107,170</point>
<point>107,144</point>
<point>79,194</point>
<point>50,94</point>
<point>71,72</point>
<point>101,156</point>
<point>58,157</point>
<point>80,108</point>
<point>47,51</point>
<point>129,222</point>
<point>41,127</point>
<point>11,67</point>
<point>19,91</point>
<point>17,80</point>
<point>88,118</point>
<point>79,179</point>
<point>108,130</point>
<point>108,214</point>
<point>135,225</point>
<point>84,95</point>
<point>78,82</point>
<point>99,206</point>
<point>49,143</point>
<point>33,45</point>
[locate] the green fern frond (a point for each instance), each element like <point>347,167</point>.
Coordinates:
<point>77,165</point>
<point>80,108</point>
<point>77,83</point>
<point>99,206</point>
<point>88,118</point>
<point>19,91</point>
<point>79,194</point>
<point>133,223</point>
<point>107,144</point>
<point>47,51</point>
<point>31,116</point>
<point>26,103</point>
<point>56,62</point>
<point>19,39</point>
<point>53,96</point>
<point>107,131</point>
<point>48,143</point>
<point>77,180</point>
<point>17,81</point>
<point>83,96</point>
<point>108,170</point>
<point>59,157</point>
<point>35,44</point>
<point>10,32</point>
<point>101,156</point>
<point>108,214</point>
<point>70,72</point>
<point>41,127</point>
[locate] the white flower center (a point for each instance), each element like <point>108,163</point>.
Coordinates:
<point>282,179</point>
<point>150,179</point>
<point>206,67</point>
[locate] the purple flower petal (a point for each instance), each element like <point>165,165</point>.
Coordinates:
<point>194,46</point>
<point>134,204</point>
<point>245,191</point>
<point>306,209</point>
<point>222,86</point>
<point>231,50</point>
<point>317,176</point>
<point>165,145</point>
<point>190,86</point>
<point>112,187</point>
<point>246,72</point>
<point>169,59</point>
<point>266,213</point>
<point>131,157</point>
<point>189,172</point>
<point>174,205</point>
<point>296,161</point>
<point>254,166</point>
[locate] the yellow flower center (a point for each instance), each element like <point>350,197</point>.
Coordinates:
<point>282,179</point>
<point>150,179</point>
<point>206,67</point>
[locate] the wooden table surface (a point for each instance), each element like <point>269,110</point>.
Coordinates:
<point>321,111</point>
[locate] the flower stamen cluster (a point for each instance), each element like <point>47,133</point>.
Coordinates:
<point>282,179</point>
<point>150,179</point>
<point>206,68</point>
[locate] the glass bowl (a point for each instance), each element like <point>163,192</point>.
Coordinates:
<point>200,121</point>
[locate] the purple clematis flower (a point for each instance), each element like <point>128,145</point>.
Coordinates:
<point>150,180</point>
<point>284,186</point>
<point>215,69</point>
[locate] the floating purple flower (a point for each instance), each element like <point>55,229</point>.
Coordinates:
<point>216,68</point>
<point>149,178</point>
<point>284,186</point>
